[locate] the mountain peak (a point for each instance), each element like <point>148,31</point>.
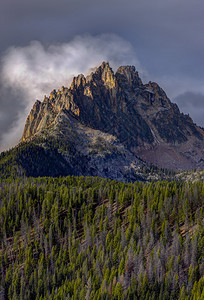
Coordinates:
<point>78,81</point>
<point>139,115</point>
<point>126,69</point>
<point>105,65</point>
<point>128,75</point>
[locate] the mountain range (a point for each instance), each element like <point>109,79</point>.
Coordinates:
<point>107,124</point>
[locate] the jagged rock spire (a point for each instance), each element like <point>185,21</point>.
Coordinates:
<point>140,115</point>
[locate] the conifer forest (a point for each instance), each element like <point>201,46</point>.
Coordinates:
<point>93,238</point>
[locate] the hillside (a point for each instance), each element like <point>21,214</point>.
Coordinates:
<point>140,116</point>
<point>86,152</point>
<point>93,238</point>
<point>109,125</point>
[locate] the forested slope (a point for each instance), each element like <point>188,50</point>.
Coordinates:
<point>54,157</point>
<point>92,238</point>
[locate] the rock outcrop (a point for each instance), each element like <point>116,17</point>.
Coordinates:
<point>140,116</point>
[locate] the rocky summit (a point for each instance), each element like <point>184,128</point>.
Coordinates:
<point>106,124</point>
<point>118,106</point>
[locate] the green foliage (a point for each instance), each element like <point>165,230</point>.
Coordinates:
<point>36,158</point>
<point>92,238</point>
<point>55,156</point>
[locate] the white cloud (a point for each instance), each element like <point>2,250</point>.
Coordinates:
<point>35,70</point>
<point>28,73</point>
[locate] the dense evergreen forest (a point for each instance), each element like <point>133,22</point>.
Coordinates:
<point>92,238</point>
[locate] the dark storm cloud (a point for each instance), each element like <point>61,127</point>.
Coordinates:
<point>167,36</point>
<point>194,103</point>
<point>165,33</point>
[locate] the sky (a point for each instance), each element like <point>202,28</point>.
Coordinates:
<point>43,44</point>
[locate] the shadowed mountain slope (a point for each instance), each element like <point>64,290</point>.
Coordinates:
<point>140,116</point>
<point>106,124</point>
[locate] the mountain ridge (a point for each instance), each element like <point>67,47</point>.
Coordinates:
<point>140,116</point>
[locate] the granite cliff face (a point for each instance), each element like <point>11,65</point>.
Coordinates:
<point>140,117</point>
